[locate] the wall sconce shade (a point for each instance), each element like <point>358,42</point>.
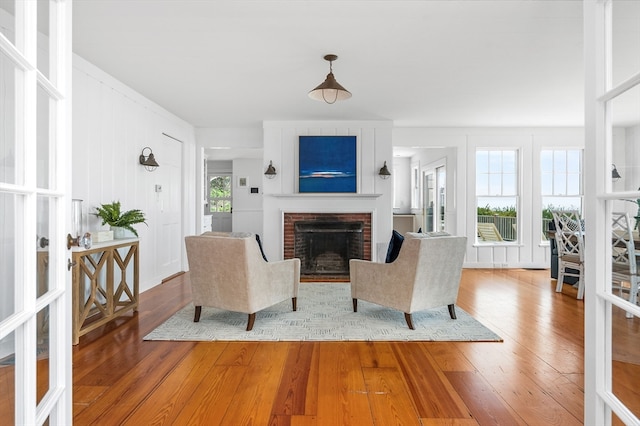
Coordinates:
<point>149,162</point>
<point>384,172</point>
<point>614,173</point>
<point>270,173</point>
<point>330,90</point>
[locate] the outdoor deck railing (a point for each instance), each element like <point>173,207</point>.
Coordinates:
<point>507,226</point>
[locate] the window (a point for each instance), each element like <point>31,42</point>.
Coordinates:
<point>220,193</point>
<point>497,195</point>
<point>561,177</point>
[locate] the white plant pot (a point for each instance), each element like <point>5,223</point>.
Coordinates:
<point>120,233</point>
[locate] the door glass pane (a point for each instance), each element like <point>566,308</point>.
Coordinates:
<point>42,245</point>
<point>43,37</point>
<point>42,353</point>
<point>8,245</point>
<point>429,202</point>
<point>442,184</point>
<point>625,356</point>
<point>7,19</point>
<point>10,77</point>
<point>7,379</point>
<point>44,129</point>
<point>625,39</point>
<point>625,116</point>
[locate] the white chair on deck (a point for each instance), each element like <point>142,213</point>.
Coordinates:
<point>570,241</point>
<point>624,268</point>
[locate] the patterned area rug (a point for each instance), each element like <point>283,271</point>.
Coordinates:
<point>325,312</point>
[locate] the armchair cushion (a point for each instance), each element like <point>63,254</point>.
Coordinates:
<point>395,244</point>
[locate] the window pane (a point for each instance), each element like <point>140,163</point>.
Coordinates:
<point>482,184</point>
<point>625,39</point>
<point>559,161</point>
<point>7,379</point>
<point>547,184</point>
<point>509,184</point>
<point>495,161</point>
<point>43,130</point>
<point>509,161</point>
<point>546,161</point>
<point>495,184</point>
<point>10,87</point>
<point>9,245</point>
<point>7,12</point>
<point>560,184</point>
<point>573,184</point>
<point>497,219</point>
<point>482,162</point>
<point>44,48</point>
<point>574,162</point>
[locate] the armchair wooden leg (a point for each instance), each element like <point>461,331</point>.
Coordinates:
<point>196,317</point>
<point>294,302</point>
<point>355,305</point>
<point>252,319</point>
<point>452,311</point>
<point>409,320</point>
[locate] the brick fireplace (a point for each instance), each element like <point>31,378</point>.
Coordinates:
<point>324,243</point>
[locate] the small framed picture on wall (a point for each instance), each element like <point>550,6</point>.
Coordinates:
<point>243,182</point>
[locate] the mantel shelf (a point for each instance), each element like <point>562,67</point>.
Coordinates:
<point>326,195</point>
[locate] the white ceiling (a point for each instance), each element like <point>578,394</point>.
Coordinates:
<point>418,63</point>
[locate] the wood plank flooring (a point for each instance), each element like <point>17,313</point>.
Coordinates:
<point>534,377</point>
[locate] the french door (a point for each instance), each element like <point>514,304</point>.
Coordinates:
<point>35,86</point>
<point>612,136</point>
<point>434,201</point>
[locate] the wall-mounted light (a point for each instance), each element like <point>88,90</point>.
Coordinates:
<point>384,172</point>
<point>270,173</point>
<point>148,161</point>
<point>614,173</point>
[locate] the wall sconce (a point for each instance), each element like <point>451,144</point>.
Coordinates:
<point>614,173</point>
<point>384,172</point>
<point>270,173</point>
<point>149,162</point>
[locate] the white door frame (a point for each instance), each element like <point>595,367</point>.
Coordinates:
<point>52,79</point>
<point>600,401</point>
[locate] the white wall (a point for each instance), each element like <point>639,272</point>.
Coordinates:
<point>111,125</point>
<point>374,146</point>
<point>247,207</point>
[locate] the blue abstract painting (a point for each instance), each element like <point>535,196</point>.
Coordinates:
<point>327,164</point>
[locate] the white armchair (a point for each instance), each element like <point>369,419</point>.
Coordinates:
<point>425,275</point>
<point>227,271</point>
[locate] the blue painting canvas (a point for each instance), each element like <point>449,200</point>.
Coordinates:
<point>327,164</point>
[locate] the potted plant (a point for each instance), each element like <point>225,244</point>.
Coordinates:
<point>119,221</point>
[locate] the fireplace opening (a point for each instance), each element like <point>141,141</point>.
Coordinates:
<point>325,247</point>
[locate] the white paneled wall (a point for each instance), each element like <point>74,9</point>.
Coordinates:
<point>460,210</point>
<point>111,125</point>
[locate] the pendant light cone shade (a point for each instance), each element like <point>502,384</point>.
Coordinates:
<point>330,90</point>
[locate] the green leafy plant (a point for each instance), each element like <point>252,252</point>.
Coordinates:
<point>111,215</point>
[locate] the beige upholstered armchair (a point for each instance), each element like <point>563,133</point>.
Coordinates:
<point>227,271</point>
<point>425,275</point>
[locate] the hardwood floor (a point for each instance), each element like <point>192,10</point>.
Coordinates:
<point>534,377</point>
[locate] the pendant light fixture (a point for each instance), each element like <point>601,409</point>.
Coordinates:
<point>330,90</point>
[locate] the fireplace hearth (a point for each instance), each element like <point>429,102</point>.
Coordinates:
<point>324,243</point>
